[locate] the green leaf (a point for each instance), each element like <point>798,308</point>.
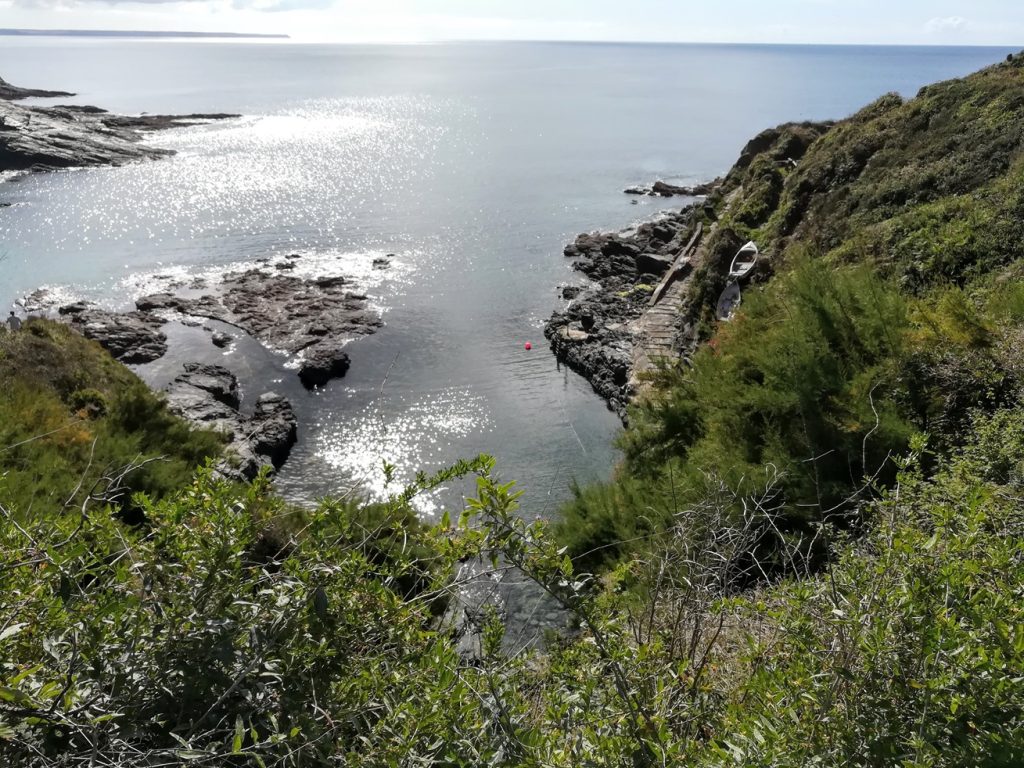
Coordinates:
<point>236,745</point>
<point>15,696</point>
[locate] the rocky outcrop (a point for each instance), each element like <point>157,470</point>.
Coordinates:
<point>130,337</point>
<point>45,138</point>
<point>208,397</point>
<point>313,318</point>
<point>10,92</point>
<point>594,335</point>
<point>321,364</point>
<point>664,189</point>
<point>275,428</point>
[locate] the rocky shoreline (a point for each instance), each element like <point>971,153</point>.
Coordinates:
<point>595,334</point>
<point>10,92</point>
<point>311,319</point>
<point>34,138</point>
<point>650,286</point>
<point>208,397</point>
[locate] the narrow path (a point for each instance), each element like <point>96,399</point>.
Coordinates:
<point>655,332</point>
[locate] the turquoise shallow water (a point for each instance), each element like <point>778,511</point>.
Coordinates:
<point>473,163</point>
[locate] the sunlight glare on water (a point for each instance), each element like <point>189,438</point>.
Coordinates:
<point>472,164</point>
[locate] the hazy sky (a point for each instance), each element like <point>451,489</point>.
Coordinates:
<point>798,21</point>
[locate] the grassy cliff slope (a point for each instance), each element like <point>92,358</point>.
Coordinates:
<point>890,304</point>
<point>75,425</point>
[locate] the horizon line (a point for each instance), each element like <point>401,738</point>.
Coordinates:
<point>156,33</point>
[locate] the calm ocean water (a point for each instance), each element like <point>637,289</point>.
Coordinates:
<point>474,163</point>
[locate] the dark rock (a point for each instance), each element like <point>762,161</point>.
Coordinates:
<point>275,428</point>
<point>330,282</point>
<point>10,92</point>
<point>284,265</point>
<point>215,379</point>
<point>45,138</point>
<point>571,291</point>
<point>207,396</point>
<point>653,263</point>
<point>615,246</point>
<point>200,407</point>
<point>382,262</point>
<point>75,308</point>
<point>221,339</point>
<point>163,122</point>
<point>664,189</point>
<point>321,364</point>
<point>85,109</point>
<point>158,301</point>
<point>284,312</point>
<point>131,337</point>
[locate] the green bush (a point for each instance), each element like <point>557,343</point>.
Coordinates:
<point>72,420</point>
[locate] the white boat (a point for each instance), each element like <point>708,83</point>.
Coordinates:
<point>744,261</point>
<point>728,301</point>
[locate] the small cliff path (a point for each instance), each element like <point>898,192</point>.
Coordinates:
<point>656,331</point>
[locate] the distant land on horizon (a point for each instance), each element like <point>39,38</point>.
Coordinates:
<point>126,33</point>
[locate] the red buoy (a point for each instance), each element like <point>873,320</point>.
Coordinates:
<point>527,346</point>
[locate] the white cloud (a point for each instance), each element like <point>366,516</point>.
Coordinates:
<point>944,25</point>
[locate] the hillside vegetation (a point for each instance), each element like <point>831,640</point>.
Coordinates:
<point>891,305</point>
<point>77,427</point>
<point>811,555</point>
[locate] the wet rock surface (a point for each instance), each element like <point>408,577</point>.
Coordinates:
<point>48,138</point>
<point>664,189</point>
<point>323,363</point>
<point>310,317</point>
<point>595,335</point>
<point>208,397</point>
<point>130,337</point>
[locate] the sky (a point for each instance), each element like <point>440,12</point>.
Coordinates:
<point>909,22</point>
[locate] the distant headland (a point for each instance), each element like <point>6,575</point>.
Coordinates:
<point>128,33</point>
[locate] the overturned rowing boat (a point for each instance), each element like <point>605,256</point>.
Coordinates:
<point>728,301</point>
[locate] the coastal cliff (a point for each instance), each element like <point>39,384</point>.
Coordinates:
<point>644,304</point>
<point>881,307</point>
<point>894,185</point>
<point>811,554</point>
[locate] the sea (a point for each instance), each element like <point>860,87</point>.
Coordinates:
<point>472,163</point>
